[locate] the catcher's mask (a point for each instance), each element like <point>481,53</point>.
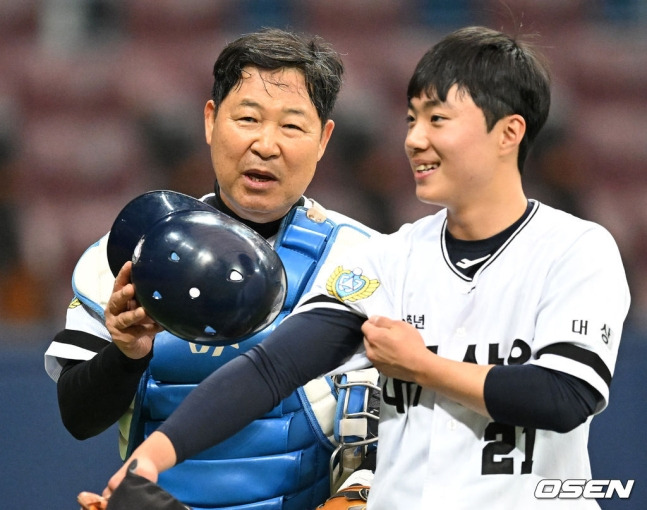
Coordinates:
<point>206,277</point>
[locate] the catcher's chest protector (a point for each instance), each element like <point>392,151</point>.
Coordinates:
<point>278,462</point>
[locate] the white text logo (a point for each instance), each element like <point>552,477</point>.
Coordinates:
<point>588,489</point>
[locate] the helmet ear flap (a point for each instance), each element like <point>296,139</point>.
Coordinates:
<point>207,278</point>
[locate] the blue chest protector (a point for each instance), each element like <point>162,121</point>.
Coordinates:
<point>278,462</point>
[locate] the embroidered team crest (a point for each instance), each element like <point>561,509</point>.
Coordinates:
<point>347,285</point>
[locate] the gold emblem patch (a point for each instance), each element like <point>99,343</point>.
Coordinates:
<point>350,285</point>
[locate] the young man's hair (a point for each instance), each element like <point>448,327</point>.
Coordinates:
<point>273,49</point>
<point>503,76</point>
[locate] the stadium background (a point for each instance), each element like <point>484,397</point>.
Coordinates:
<point>102,100</point>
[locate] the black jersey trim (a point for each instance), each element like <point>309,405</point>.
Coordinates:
<point>496,254</point>
<point>328,301</point>
<point>530,214</point>
<point>448,260</point>
<point>580,355</point>
<point>81,339</point>
<point>322,299</point>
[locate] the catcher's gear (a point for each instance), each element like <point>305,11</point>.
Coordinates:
<point>207,278</point>
<point>139,215</point>
<point>356,422</point>
<point>350,498</point>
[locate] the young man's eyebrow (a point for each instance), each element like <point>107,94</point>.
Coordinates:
<point>427,103</point>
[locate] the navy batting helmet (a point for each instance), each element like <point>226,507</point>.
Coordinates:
<point>207,278</point>
<point>138,216</point>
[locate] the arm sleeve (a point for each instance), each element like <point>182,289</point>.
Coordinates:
<point>94,394</point>
<point>255,382</point>
<point>536,397</point>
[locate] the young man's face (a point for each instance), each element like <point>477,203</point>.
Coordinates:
<point>452,155</point>
<point>266,139</point>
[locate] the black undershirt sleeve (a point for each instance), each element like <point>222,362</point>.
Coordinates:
<point>252,384</point>
<point>255,382</point>
<point>537,397</point>
<point>94,394</point>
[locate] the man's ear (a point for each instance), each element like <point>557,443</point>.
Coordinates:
<point>209,119</point>
<point>513,131</point>
<point>325,137</point>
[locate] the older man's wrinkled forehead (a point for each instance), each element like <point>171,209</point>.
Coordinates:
<point>280,78</point>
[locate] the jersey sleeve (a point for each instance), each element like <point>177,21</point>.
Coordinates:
<point>583,306</point>
<point>92,284</point>
<point>357,279</point>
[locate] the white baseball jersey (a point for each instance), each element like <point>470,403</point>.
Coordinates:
<point>555,295</point>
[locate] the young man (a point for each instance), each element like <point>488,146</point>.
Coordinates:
<point>268,124</point>
<point>495,323</point>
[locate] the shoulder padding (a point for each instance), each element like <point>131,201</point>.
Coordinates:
<point>92,280</point>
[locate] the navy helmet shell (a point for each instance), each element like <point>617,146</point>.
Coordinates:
<point>207,278</point>
<point>138,216</point>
